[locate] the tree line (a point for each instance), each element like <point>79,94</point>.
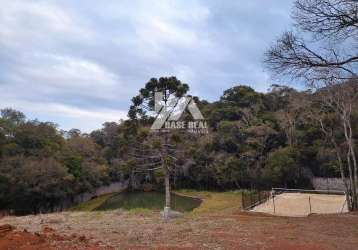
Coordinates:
<point>322,51</point>
<point>256,140</point>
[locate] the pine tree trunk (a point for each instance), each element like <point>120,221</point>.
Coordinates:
<point>167,189</point>
<point>166,211</point>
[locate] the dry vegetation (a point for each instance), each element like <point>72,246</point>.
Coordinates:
<point>123,230</point>
<point>217,224</point>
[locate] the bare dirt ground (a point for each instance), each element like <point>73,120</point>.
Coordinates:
<point>123,230</point>
<point>47,239</point>
<point>303,204</point>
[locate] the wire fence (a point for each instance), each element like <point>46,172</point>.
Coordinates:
<point>253,198</point>
<point>276,191</point>
<point>297,202</point>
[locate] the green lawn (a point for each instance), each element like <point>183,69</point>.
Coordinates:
<point>148,200</point>
<point>212,202</point>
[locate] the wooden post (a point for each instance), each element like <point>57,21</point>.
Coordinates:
<point>309,201</point>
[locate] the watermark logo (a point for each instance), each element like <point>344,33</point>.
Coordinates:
<point>170,112</point>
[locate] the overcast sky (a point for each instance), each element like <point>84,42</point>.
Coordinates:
<point>78,63</point>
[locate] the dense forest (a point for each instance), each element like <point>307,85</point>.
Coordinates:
<point>255,140</point>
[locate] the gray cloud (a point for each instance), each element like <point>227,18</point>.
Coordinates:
<point>78,63</point>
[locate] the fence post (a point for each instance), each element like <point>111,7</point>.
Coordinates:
<point>250,198</point>
<point>242,201</point>
<point>344,204</point>
<point>259,201</point>
<point>309,201</point>
<point>274,207</point>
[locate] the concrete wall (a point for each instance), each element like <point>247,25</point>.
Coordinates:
<point>328,183</point>
<point>112,188</point>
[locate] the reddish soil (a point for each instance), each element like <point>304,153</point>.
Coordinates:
<point>46,240</point>
<point>236,231</point>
